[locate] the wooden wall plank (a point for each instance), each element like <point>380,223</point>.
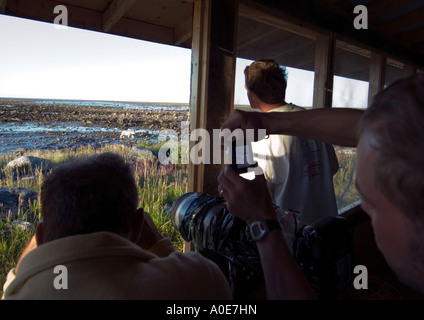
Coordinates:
<point>377,75</point>
<point>3,4</point>
<point>324,71</point>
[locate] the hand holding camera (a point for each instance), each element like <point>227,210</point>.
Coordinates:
<point>247,199</point>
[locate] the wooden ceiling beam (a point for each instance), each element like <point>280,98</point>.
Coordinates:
<point>255,12</point>
<point>419,47</point>
<point>377,8</point>
<point>84,18</point>
<point>114,12</point>
<point>402,22</point>
<point>183,32</point>
<point>411,37</point>
<point>340,6</point>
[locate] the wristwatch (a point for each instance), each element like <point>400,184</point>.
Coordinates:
<point>259,229</point>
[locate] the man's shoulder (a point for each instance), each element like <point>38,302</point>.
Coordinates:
<point>195,261</point>
<point>192,257</point>
<point>195,267</point>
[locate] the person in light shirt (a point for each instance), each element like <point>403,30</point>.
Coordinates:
<point>299,171</point>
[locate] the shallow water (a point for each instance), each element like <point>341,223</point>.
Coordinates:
<point>33,127</point>
<point>30,135</point>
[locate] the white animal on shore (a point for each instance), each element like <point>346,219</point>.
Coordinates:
<point>127,133</point>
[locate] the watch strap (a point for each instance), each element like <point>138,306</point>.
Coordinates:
<point>260,229</point>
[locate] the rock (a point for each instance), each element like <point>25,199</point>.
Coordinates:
<point>24,225</point>
<point>143,154</point>
<point>14,201</point>
<point>28,164</point>
<point>19,152</point>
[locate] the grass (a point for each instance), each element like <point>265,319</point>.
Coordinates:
<point>344,180</point>
<point>159,187</point>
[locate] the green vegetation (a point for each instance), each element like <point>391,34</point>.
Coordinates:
<point>344,179</point>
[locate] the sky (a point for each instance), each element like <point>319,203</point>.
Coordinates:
<point>40,60</point>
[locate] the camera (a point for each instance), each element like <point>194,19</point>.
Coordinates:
<point>241,156</point>
<point>323,250</point>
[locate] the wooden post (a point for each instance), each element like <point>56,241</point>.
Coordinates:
<point>221,80</point>
<point>213,64</point>
<point>377,75</point>
<point>199,80</point>
<point>212,82</point>
<point>324,71</point>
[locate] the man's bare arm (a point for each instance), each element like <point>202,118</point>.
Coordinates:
<point>250,201</point>
<point>334,126</point>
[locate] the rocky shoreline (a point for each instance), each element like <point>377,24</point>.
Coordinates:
<point>13,114</point>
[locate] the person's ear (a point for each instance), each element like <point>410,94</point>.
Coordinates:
<point>135,232</point>
<point>39,233</point>
<point>255,97</point>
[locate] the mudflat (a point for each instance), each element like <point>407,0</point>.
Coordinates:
<point>66,125</point>
<point>15,111</point>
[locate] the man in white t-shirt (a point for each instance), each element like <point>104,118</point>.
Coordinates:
<point>299,171</point>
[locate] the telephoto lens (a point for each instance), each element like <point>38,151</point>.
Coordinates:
<point>323,250</point>
<point>217,234</point>
<point>202,219</point>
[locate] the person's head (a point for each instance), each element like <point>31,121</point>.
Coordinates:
<point>267,81</point>
<point>97,193</point>
<point>390,176</point>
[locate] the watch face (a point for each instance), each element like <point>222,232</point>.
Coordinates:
<point>258,230</point>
